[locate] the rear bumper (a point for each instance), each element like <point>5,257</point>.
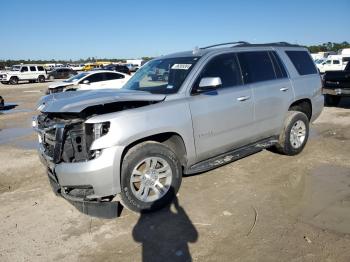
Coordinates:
<point>317,106</point>
<point>101,174</point>
<point>336,91</point>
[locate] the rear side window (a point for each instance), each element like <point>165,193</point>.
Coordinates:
<point>95,78</point>
<point>336,62</point>
<point>278,65</point>
<point>40,68</point>
<point>224,66</point>
<point>32,68</point>
<point>24,69</point>
<point>256,66</point>
<point>302,62</point>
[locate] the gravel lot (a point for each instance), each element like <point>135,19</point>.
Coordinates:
<point>265,207</point>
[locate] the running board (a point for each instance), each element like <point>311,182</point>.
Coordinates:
<point>231,156</point>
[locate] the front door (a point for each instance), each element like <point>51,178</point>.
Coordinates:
<point>222,118</point>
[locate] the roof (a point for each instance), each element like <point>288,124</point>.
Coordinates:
<point>232,45</point>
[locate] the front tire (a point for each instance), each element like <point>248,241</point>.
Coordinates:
<point>13,80</point>
<point>332,100</point>
<point>294,134</point>
<point>150,177</point>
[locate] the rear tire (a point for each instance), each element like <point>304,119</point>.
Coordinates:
<point>294,134</point>
<point>332,100</point>
<point>41,79</point>
<point>150,177</point>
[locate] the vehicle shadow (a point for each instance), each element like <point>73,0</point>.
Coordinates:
<point>165,234</point>
<point>105,210</point>
<point>8,107</point>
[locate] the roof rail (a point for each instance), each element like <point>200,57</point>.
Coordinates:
<point>229,43</point>
<point>271,44</point>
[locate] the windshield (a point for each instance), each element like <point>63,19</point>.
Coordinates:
<point>75,78</point>
<point>162,76</point>
<point>15,68</point>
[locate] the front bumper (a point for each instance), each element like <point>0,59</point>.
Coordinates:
<point>101,174</point>
<point>336,91</point>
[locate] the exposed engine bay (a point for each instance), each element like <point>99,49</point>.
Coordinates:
<point>65,137</point>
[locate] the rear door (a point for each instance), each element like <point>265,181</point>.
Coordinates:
<point>272,90</point>
<point>222,119</point>
<point>33,73</point>
<point>114,80</point>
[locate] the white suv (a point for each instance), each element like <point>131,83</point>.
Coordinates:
<point>31,73</point>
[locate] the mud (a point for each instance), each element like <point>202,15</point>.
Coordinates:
<point>265,207</point>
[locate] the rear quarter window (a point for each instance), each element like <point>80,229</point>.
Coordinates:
<point>302,62</point>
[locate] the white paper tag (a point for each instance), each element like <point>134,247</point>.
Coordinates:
<point>181,66</point>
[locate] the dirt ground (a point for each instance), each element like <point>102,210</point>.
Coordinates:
<point>265,207</point>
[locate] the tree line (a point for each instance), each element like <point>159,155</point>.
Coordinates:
<point>329,46</point>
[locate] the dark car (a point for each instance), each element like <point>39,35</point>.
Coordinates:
<point>336,84</point>
<point>118,68</point>
<point>61,73</point>
<point>2,102</point>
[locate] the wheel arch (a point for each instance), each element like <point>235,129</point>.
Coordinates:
<point>171,139</point>
<point>302,105</point>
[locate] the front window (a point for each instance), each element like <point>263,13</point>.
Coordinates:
<point>162,76</point>
<point>76,78</point>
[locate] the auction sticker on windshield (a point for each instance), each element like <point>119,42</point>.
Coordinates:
<point>181,66</point>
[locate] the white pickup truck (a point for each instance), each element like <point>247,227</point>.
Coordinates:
<point>333,63</point>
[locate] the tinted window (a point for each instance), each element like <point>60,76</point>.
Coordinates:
<point>24,69</point>
<point>256,66</point>
<point>111,76</point>
<point>302,62</point>
<point>32,68</point>
<point>40,68</point>
<point>278,65</point>
<point>336,62</point>
<point>223,66</point>
<point>95,78</point>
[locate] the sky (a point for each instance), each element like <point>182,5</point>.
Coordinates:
<point>73,29</point>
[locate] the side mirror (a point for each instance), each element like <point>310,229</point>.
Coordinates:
<point>209,84</point>
<point>86,82</point>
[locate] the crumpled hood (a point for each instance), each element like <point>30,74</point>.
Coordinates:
<point>60,84</point>
<point>77,101</point>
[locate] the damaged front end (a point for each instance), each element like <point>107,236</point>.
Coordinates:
<point>67,139</point>
<point>76,170</point>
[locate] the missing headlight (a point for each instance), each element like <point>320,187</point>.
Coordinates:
<point>100,129</point>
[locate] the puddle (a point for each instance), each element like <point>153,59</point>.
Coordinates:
<point>326,200</point>
<point>27,144</point>
<point>9,135</point>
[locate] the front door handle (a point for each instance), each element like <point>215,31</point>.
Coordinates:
<point>284,89</point>
<point>243,98</point>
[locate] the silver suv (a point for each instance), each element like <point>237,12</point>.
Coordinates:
<point>214,106</point>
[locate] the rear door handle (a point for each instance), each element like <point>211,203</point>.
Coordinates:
<point>243,98</point>
<point>284,89</point>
